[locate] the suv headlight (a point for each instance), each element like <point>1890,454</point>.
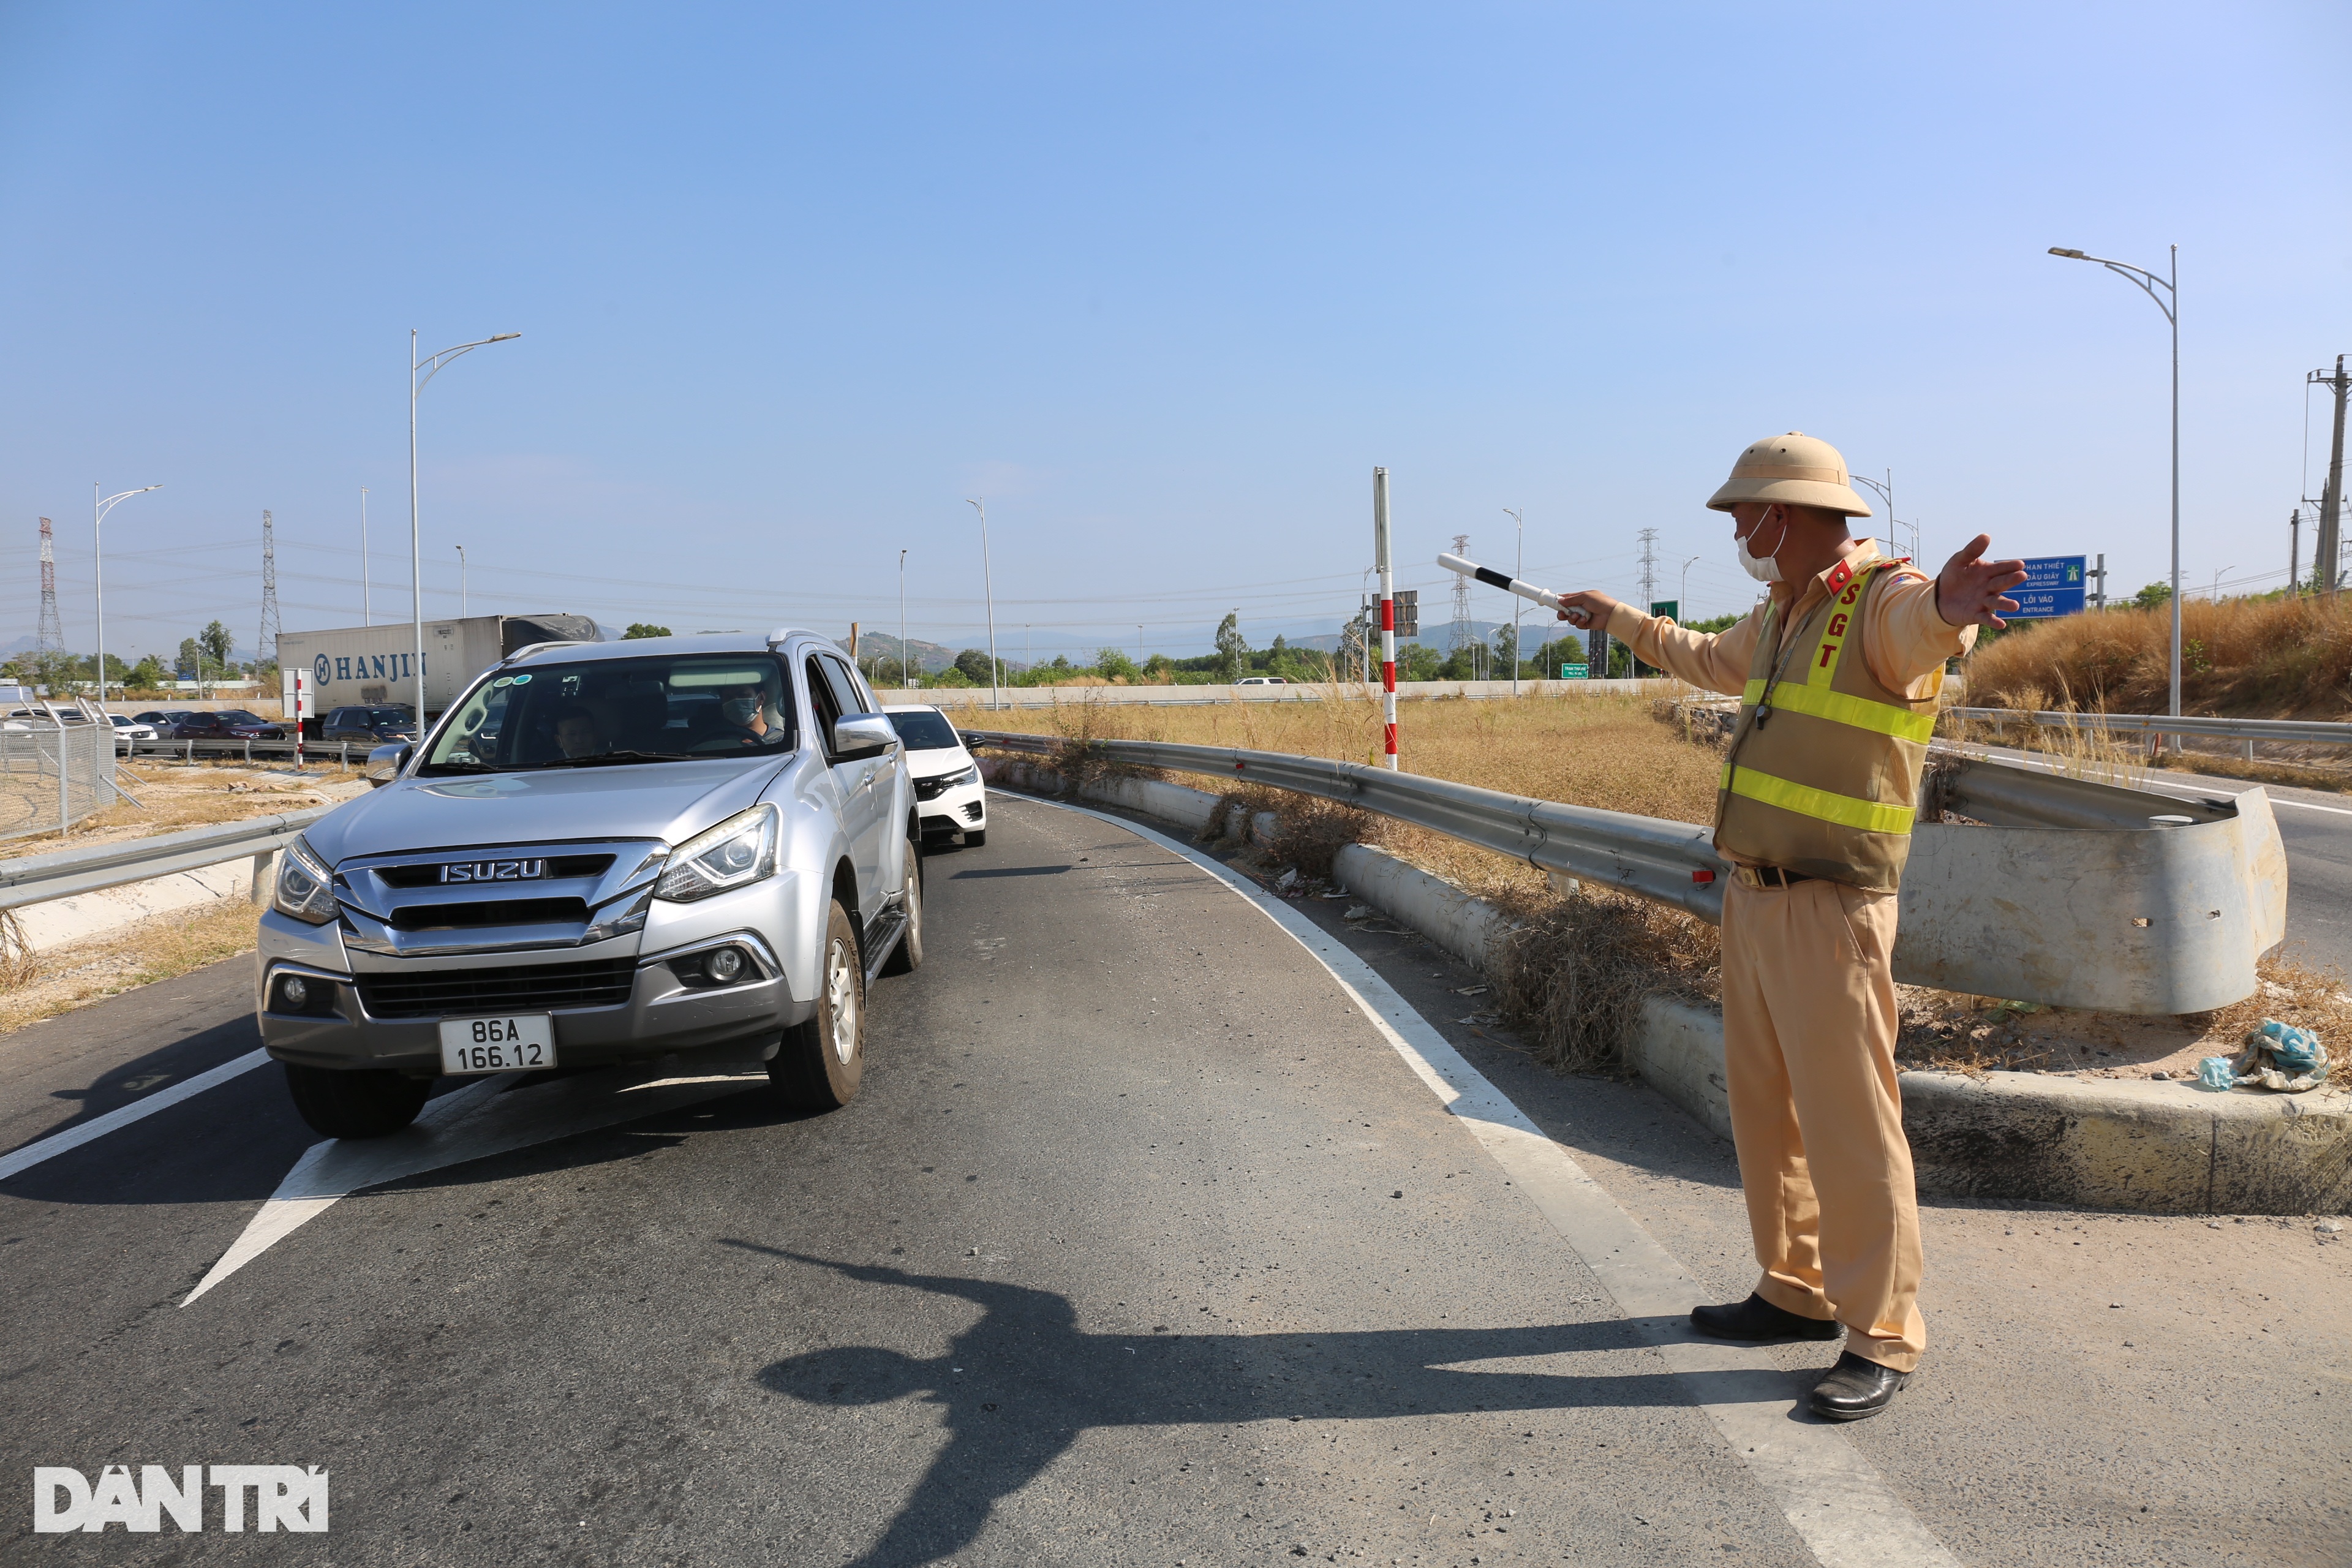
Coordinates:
<point>735,854</point>
<point>306,888</point>
<point>959,779</point>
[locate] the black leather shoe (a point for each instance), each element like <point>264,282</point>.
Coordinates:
<point>1757,1319</point>
<point>1856,1388</point>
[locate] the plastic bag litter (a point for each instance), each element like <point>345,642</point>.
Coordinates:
<point>2282,1057</point>
<point>2214,1072</point>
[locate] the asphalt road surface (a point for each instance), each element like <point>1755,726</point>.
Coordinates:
<point>1144,1243</point>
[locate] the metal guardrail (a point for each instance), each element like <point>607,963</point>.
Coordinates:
<point>1667,862</point>
<point>2146,904</point>
<point>190,750</point>
<point>2308,731</point>
<point>35,878</point>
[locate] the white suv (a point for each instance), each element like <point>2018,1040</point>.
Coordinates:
<point>948,795</point>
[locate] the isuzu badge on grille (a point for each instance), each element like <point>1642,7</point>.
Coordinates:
<point>493,870</point>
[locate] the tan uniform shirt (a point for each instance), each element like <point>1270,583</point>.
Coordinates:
<point>1904,637</point>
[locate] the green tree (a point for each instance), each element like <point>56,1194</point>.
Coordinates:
<point>2156,595</point>
<point>215,641</point>
<point>1112,663</point>
<point>973,663</point>
<point>1159,670</point>
<point>147,675</point>
<point>1232,648</point>
<point>644,629</point>
<point>1418,661</point>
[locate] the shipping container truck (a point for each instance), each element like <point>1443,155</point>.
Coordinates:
<point>378,664</point>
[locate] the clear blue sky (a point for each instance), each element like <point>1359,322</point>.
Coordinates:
<point>1163,285</point>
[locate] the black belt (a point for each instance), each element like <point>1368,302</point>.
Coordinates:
<point>1769,877</point>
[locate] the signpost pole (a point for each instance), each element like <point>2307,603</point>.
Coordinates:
<point>1381,560</point>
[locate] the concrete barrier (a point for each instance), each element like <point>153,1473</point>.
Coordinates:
<point>2139,1146</point>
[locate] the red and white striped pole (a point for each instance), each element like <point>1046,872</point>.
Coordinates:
<point>1388,609</point>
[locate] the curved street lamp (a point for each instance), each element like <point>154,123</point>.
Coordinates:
<point>98,510</point>
<point>431,366</point>
<point>2169,303</point>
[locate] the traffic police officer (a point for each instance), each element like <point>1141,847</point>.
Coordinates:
<point>1837,671</point>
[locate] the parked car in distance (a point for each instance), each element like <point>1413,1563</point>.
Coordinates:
<point>37,716</point>
<point>251,726</point>
<point>699,847</point>
<point>1262,680</point>
<point>129,731</point>
<point>949,796</point>
<point>228,724</point>
<point>369,726</point>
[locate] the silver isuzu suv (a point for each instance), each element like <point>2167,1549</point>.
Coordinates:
<point>603,852</point>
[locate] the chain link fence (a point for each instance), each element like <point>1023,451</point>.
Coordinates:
<point>54,770</point>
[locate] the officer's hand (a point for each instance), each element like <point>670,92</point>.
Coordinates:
<point>1969,590</point>
<point>1589,609</point>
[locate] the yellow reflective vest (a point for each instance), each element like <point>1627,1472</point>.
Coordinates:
<point>1824,775</point>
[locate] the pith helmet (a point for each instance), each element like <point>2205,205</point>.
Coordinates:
<point>1794,469</point>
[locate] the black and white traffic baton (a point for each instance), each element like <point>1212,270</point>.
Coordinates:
<point>1493,579</point>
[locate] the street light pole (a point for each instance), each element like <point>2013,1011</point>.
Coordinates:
<point>2169,303</point>
<point>367,601</point>
<point>1518,567</point>
<point>464,600</point>
<point>903,681</point>
<point>2217,579</point>
<point>996,686</point>
<point>1682,594</point>
<point>431,367</point>
<point>98,510</point>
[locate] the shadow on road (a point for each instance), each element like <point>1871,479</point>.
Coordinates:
<point>1022,1383</point>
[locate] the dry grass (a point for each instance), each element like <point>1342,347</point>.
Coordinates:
<point>179,796</point>
<point>1603,751</point>
<point>42,985</point>
<point>1571,980</point>
<point>2246,657</point>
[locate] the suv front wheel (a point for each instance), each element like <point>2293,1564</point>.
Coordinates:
<point>823,1059</point>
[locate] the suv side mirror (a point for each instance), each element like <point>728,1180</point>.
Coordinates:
<point>857,736</point>
<point>385,762</point>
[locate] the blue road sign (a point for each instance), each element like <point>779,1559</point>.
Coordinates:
<point>2053,588</point>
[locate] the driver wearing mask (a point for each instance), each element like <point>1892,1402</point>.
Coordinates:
<point>742,717</point>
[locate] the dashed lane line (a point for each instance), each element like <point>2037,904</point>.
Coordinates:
<point>50,1148</point>
<point>1838,1503</point>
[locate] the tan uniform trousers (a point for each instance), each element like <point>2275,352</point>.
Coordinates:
<point>1808,1025</point>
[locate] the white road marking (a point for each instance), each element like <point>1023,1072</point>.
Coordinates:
<point>50,1148</point>
<point>480,1119</point>
<point>1836,1499</point>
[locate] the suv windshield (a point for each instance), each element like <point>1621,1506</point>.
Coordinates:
<point>378,717</point>
<point>239,716</point>
<point>925,731</point>
<point>620,711</point>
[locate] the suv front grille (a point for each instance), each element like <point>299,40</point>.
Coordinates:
<point>429,875</point>
<point>490,913</point>
<point>530,987</point>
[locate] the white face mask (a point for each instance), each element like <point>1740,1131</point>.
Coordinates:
<point>741,709</point>
<point>1763,568</point>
